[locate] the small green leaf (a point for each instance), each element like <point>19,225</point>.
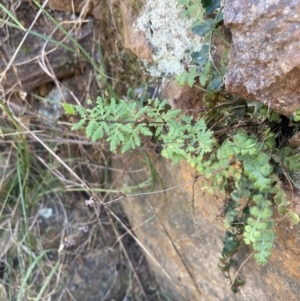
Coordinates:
<point>191,77</point>
<point>202,28</point>
<point>262,257</point>
<point>203,79</point>
<point>126,147</point>
<point>78,125</point>
<point>141,112</point>
<point>137,140</point>
<point>162,105</point>
<point>91,128</point>
<point>114,141</point>
<point>144,130</point>
<point>81,111</point>
<point>294,217</point>
<point>69,108</point>
<point>181,79</point>
<point>120,135</point>
<point>207,68</point>
<point>216,83</point>
<point>201,57</point>
<point>98,134</point>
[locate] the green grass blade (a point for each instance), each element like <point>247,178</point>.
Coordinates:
<point>19,25</point>
<point>46,283</point>
<point>29,273</point>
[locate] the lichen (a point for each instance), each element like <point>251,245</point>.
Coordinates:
<point>169,35</point>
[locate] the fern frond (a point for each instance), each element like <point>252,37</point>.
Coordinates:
<point>264,247</point>
<point>240,164</point>
<point>259,229</point>
<point>257,168</point>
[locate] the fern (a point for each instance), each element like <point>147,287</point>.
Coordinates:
<point>122,123</point>
<point>203,67</point>
<point>241,164</point>
<point>257,168</point>
<point>246,161</point>
<point>258,230</point>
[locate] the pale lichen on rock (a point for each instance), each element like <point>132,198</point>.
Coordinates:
<point>169,35</point>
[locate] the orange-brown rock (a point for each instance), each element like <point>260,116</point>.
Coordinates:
<point>134,40</point>
<point>182,238</point>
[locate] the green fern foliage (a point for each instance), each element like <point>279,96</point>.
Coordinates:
<point>124,122</point>
<point>247,163</point>
<point>203,69</point>
<point>242,164</point>
<point>257,168</point>
<point>259,229</point>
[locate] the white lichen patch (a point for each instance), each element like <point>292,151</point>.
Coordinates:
<point>46,212</point>
<point>170,36</point>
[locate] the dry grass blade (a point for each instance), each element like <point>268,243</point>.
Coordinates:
<point>24,38</point>
<point>48,172</point>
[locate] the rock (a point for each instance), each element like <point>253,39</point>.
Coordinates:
<point>182,238</point>
<point>134,39</point>
<point>184,98</point>
<point>295,140</point>
<point>77,6</point>
<point>158,34</point>
<point>96,276</point>
<point>68,90</point>
<point>264,60</point>
<point>92,271</point>
<point>61,227</point>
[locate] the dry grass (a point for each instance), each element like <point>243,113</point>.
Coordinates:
<point>47,172</point>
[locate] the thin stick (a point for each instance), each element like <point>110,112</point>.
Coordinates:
<point>240,268</point>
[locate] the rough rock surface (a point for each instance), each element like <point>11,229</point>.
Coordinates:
<point>265,54</point>
<point>134,39</point>
<point>179,229</point>
<point>182,238</point>
<point>184,98</point>
<point>77,6</point>
<point>96,277</point>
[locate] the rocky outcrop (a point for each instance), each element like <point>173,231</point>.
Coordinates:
<point>181,234</point>
<point>180,228</point>
<point>265,53</point>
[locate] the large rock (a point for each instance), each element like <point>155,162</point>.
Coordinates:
<point>182,238</point>
<point>178,227</point>
<point>265,54</point>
